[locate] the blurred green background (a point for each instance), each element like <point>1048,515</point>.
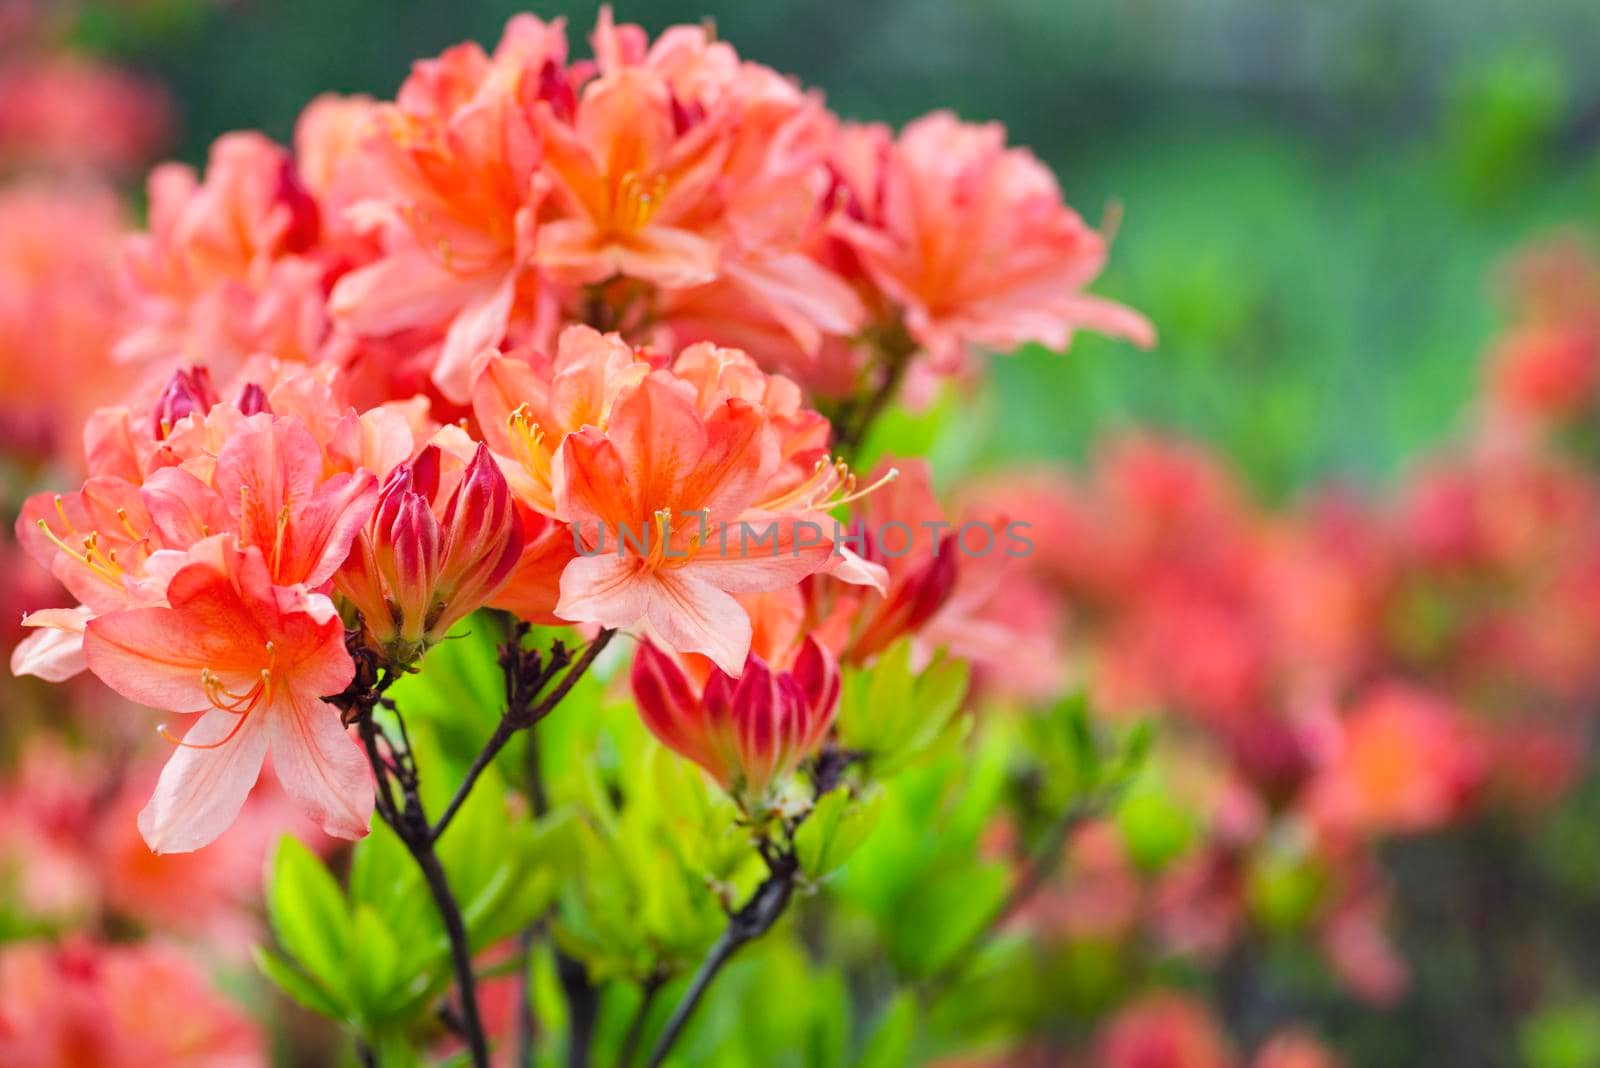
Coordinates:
<point>1314,194</point>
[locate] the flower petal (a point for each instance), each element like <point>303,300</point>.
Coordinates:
<point>202,789</point>
<point>692,615</point>
<point>321,766</point>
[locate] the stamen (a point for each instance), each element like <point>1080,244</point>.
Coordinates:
<point>277,542</point>
<point>637,201</point>
<point>527,443</point>
<point>102,566</point>
<point>853,494</point>
<point>658,544</point>
<point>218,744</point>
<point>830,484</point>
<point>122,517</point>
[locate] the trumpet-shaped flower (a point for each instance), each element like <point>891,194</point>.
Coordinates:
<point>226,271</point>
<point>456,194</point>
<point>269,477</point>
<point>971,241</point>
<point>664,509</point>
<point>749,732</point>
<point>252,660</point>
<point>527,404</point>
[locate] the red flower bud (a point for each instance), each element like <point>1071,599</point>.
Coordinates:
<point>185,392</point>
<point>749,732</point>
<point>483,534</point>
<point>911,602</point>
<point>412,575</point>
<point>252,400</point>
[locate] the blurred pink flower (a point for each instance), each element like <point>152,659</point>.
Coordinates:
<point>63,111</point>
<point>110,1006</point>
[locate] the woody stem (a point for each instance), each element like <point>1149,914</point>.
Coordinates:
<point>410,823</point>
<point>753,920</point>
<point>524,707</point>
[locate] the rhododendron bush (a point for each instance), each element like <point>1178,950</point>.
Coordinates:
<point>476,599</point>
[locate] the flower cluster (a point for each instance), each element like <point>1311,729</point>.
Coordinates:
<point>465,349</point>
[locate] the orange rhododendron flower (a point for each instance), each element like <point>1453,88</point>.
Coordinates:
<point>253,659</point>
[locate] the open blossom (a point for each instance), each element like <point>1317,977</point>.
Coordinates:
<point>227,269</point>
<point>1406,763</point>
<point>434,552</point>
<point>747,732</point>
<point>507,189</point>
<point>970,241</point>
<point>669,509</point>
<point>683,166</point>
<point>198,568</point>
<point>252,660</point>
<point>86,1003</point>
<point>454,195</point>
<point>526,404</point>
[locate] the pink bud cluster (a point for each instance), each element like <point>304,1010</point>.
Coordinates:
<point>428,559</point>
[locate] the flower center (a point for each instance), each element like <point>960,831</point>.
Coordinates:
<point>237,703</point>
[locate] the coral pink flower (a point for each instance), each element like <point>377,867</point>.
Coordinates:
<point>90,1004</point>
<point>971,241</point>
<point>225,272</point>
<point>1407,764</point>
<point>662,504</point>
<point>455,195</point>
<point>526,404</point>
<point>255,659</point>
<point>633,173</point>
<point>66,111</point>
<point>1162,1030</point>
<point>269,477</point>
<point>749,732</point>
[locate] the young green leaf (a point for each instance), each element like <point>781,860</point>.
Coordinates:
<point>308,913</point>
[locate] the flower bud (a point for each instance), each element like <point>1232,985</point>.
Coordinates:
<point>747,733</point>
<point>410,559</point>
<point>483,536</point>
<point>185,392</point>
<point>252,400</point>
<point>913,599</point>
<point>413,576</point>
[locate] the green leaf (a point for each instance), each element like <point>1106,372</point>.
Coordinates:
<point>835,829</point>
<point>890,1045</point>
<point>308,913</point>
<point>297,985</point>
<point>896,716</point>
<point>1562,1036</point>
<point>375,963</point>
<point>1155,827</point>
